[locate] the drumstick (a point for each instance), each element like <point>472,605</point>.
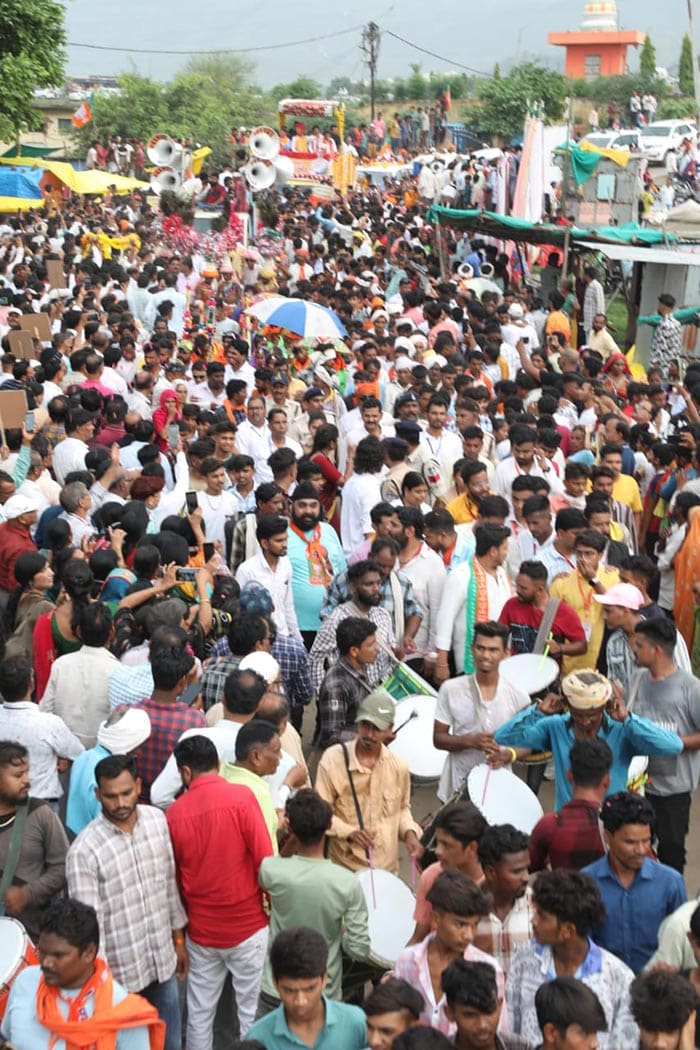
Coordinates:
<point>371,876</point>
<point>545,654</point>
<point>486,784</point>
<point>413,714</point>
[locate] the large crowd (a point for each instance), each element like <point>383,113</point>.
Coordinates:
<point>223,549</point>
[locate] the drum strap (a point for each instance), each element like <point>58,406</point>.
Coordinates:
<point>355,799</point>
<point>12,858</point>
<point>548,617</point>
<point>397,598</point>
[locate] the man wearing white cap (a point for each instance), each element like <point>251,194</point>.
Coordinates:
<point>15,538</point>
<point>621,612</point>
<point>402,383</point>
<point>368,824</point>
<point>120,734</point>
<point>518,329</point>
<point>590,708</point>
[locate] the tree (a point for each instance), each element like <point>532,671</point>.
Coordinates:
<point>497,71</point>
<point>138,111</point>
<point>302,87</point>
<point>416,86</point>
<point>32,55</point>
<point>506,99</point>
<point>685,67</point>
<point>647,59</point>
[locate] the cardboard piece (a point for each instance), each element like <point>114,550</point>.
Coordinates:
<point>21,344</point>
<point>55,274</point>
<point>38,324</point>
<point>13,409</point>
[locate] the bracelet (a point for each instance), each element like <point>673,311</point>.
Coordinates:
<point>205,601</point>
<point>178,938</point>
<point>513,755</point>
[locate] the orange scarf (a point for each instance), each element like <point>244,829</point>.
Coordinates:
<point>100,1030</point>
<point>320,568</point>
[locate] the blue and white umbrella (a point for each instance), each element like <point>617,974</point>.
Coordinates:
<point>309,320</point>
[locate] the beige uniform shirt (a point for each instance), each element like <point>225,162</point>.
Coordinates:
<point>384,795</point>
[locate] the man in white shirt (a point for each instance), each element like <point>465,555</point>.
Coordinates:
<point>426,571</point>
<point>69,454</point>
<point>237,364</point>
<point>271,567</point>
<point>361,493</point>
<point>278,425</point>
<point>210,394</point>
<point>77,507</point>
<point>524,459</point>
<point>253,439</point>
<point>179,304</point>
<point>216,504</point>
<point>517,329</point>
<point>442,446</point>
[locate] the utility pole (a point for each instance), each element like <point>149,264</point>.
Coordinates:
<point>696,70</point>
<point>370,49</point>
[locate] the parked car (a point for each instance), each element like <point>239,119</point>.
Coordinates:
<point>626,139</point>
<point>663,136</point>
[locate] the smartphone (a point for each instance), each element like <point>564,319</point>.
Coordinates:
<point>186,575</point>
<point>208,549</point>
<point>191,693</point>
<point>191,501</point>
<point>526,339</point>
<point>173,434</point>
<point>29,422</point>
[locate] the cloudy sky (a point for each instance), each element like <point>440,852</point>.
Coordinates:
<point>470,33</point>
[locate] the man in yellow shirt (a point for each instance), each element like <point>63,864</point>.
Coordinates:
<point>577,588</point>
<point>625,488</point>
<point>465,508</point>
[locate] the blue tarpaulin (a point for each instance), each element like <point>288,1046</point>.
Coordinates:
<point>20,182</point>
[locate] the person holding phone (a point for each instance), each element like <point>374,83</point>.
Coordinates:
<point>166,416</point>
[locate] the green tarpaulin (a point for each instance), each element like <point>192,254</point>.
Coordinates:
<point>29,151</point>
<point>508,228</point>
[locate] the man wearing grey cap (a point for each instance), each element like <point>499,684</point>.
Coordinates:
<point>369,824</point>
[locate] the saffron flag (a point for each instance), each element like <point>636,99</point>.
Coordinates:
<point>82,115</point>
<point>447,99</point>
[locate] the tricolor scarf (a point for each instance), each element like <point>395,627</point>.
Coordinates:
<point>477,609</point>
<point>320,568</point>
<point>99,1031</point>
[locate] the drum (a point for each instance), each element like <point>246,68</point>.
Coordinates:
<point>504,798</point>
<point>530,672</point>
<point>414,737</point>
<point>390,909</point>
<point>404,681</point>
<point>16,953</point>
<point>637,774</point>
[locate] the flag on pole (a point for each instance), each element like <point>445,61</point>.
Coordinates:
<point>82,115</point>
<point>447,99</point>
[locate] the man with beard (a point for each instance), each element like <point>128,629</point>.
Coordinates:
<point>525,458</point>
<point>365,581</point>
<point>316,555</point>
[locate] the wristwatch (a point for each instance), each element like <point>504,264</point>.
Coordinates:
<point>594,581</point>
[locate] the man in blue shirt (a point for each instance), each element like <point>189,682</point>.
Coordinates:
<point>592,709</point>
<point>305,1018</point>
<point>638,892</point>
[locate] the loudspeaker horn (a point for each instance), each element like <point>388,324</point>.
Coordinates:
<point>165,179</point>
<point>284,166</point>
<point>264,143</point>
<point>163,150</point>
<point>260,174</point>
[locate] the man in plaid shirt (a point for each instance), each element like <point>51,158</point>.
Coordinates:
<point>169,716</point>
<point>505,860</point>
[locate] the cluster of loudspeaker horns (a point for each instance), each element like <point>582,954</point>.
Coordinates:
<point>264,169</point>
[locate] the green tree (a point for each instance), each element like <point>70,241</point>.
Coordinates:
<point>302,87</point>
<point>32,55</point>
<point>416,84</point>
<point>139,110</point>
<point>497,71</point>
<point>505,100</point>
<point>685,67</point>
<point>647,59</point>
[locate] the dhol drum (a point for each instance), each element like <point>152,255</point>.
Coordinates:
<point>504,798</point>
<point>390,905</point>
<point>415,716</point>
<point>16,953</point>
<point>530,672</point>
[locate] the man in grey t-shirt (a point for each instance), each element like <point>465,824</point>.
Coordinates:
<point>669,697</point>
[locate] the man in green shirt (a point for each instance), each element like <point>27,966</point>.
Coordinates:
<point>308,890</point>
<point>258,753</point>
<point>306,1018</point>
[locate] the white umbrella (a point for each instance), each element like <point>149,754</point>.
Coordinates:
<point>309,320</point>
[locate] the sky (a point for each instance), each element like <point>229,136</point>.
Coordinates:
<point>469,33</point>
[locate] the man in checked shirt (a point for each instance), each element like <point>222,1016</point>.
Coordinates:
<point>122,865</point>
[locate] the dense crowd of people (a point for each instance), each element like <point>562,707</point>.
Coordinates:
<point>221,543</point>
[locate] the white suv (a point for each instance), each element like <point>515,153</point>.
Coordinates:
<point>659,138</point>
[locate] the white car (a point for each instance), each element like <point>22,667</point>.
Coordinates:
<point>659,138</point>
<point>624,140</point>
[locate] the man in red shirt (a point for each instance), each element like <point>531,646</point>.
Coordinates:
<point>522,615</point>
<point>220,839</point>
<point>15,538</point>
<point>572,838</point>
